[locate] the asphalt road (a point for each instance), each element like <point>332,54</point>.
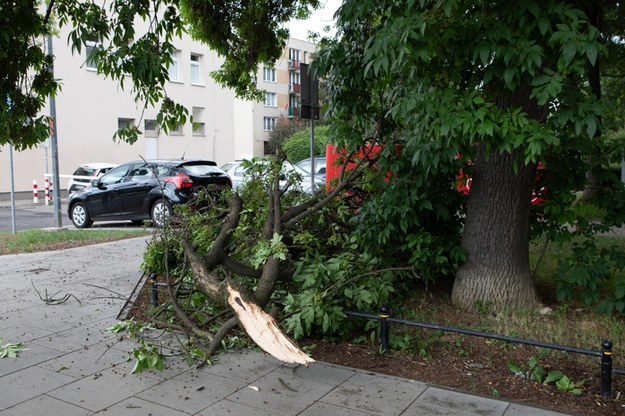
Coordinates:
<point>31,216</point>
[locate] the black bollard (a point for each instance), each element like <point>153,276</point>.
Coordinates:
<point>154,291</point>
<point>606,368</point>
<point>384,340</point>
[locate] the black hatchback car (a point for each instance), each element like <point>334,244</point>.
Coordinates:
<point>142,190</point>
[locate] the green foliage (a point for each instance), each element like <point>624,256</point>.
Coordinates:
<point>327,285</point>
<point>146,355</point>
<point>537,373</point>
<point>269,248</point>
<point>568,385</point>
<point>514,79</point>
<point>11,350</point>
<point>235,342</point>
<point>26,78</point>
<point>595,274</point>
<point>412,220</point>
<point>297,147</point>
<point>162,256</point>
<point>285,128</point>
<point>42,240</point>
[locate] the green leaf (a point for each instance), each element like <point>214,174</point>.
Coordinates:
<point>484,53</point>
<point>11,350</point>
<point>543,26</point>
<point>568,52</point>
<point>591,127</point>
<point>591,53</point>
<point>508,76</point>
<point>553,376</point>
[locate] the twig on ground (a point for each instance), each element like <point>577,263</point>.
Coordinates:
<point>51,300</point>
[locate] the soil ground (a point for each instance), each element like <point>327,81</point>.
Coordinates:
<point>469,363</point>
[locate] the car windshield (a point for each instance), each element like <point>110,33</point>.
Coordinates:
<point>320,164</point>
<point>84,171</point>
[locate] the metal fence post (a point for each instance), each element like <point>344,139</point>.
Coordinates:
<point>154,291</point>
<point>384,340</point>
<point>606,368</point>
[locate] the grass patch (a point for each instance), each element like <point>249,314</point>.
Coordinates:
<point>30,241</point>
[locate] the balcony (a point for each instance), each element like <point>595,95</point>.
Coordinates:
<point>293,111</point>
<point>294,88</point>
<point>293,64</point>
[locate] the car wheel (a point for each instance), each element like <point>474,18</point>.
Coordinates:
<point>161,210</point>
<point>80,216</point>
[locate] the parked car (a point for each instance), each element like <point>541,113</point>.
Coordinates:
<point>306,184</point>
<point>320,166</point>
<point>237,173</point>
<point>142,190</point>
<point>87,172</point>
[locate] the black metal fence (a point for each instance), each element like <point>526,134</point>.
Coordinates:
<point>605,354</point>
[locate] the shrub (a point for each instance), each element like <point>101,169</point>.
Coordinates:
<point>297,147</point>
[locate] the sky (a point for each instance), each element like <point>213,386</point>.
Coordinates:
<point>318,20</point>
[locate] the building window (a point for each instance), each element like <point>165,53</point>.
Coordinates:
<point>269,123</point>
<point>125,123</point>
<point>270,99</point>
<point>294,55</point>
<point>269,74</point>
<point>294,82</point>
<point>92,58</point>
<point>293,101</point>
<point>198,121</point>
<point>174,74</point>
<point>195,69</point>
<point>294,78</point>
<point>177,131</point>
<point>150,128</point>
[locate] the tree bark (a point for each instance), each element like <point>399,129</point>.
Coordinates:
<point>496,236</point>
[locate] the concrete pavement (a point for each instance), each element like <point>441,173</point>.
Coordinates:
<point>74,367</point>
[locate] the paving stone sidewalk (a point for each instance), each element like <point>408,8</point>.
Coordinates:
<point>74,367</point>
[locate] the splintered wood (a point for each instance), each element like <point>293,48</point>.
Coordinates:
<point>264,330</point>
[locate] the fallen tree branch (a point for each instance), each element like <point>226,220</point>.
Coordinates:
<point>51,300</point>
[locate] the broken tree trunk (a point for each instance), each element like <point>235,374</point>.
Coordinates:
<point>264,330</point>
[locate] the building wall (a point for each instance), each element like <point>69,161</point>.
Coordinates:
<point>89,107</point>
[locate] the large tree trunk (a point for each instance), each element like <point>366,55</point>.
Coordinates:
<point>496,236</point>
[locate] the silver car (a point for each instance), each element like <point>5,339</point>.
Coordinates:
<point>82,177</point>
<point>237,173</point>
<point>320,166</point>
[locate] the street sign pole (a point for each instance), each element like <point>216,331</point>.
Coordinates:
<point>56,183</point>
<point>310,109</point>
<point>13,219</point>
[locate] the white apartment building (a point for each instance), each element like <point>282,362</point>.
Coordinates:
<point>90,108</point>
<point>282,98</point>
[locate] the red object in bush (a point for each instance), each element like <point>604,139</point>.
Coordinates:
<point>463,185</point>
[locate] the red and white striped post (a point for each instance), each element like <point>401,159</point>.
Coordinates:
<point>47,191</point>
<point>35,193</point>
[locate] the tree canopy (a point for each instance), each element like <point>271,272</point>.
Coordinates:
<point>500,86</point>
